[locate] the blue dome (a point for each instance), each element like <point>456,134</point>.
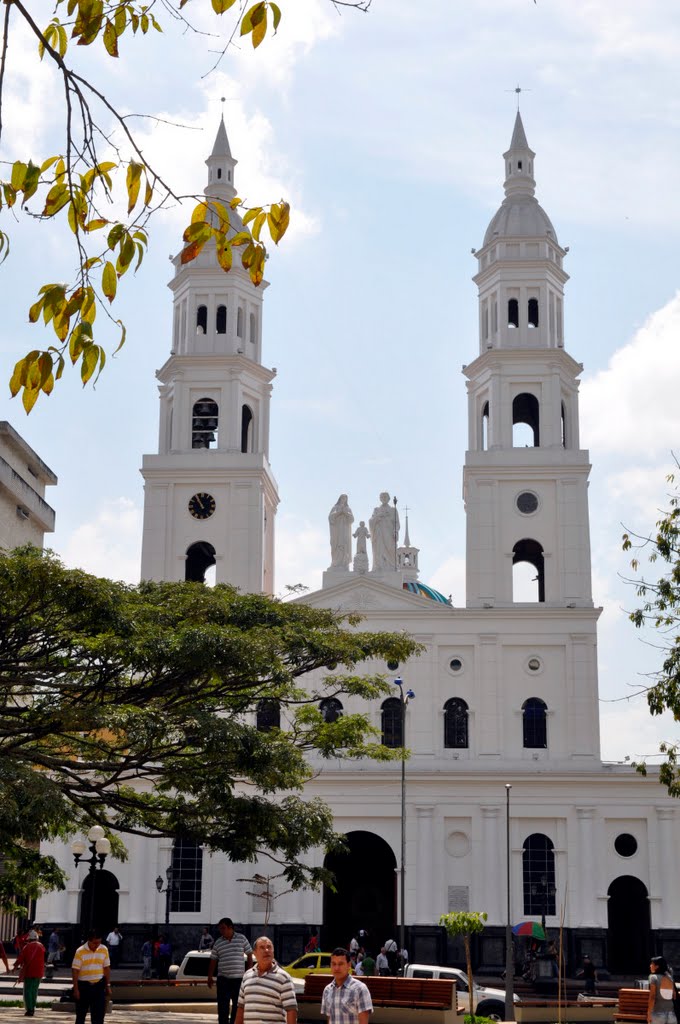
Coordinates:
<point>422,590</point>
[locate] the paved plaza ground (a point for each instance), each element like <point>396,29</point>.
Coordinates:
<point>120,1015</point>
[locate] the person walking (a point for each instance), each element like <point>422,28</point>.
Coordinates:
<point>31,966</point>
<point>230,955</point>
<point>147,959</point>
<point>114,941</point>
<point>345,1000</point>
<point>589,976</point>
<point>164,956</point>
<point>662,993</point>
<point>206,941</point>
<point>91,972</point>
<point>53,947</point>
<point>382,964</point>
<point>267,995</point>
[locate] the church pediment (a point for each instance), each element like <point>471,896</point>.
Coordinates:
<point>365,594</point>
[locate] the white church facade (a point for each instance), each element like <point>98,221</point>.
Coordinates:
<point>506,689</point>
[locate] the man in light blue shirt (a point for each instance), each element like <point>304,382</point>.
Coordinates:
<point>345,1000</point>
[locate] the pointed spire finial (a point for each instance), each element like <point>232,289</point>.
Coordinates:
<point>407,539</point>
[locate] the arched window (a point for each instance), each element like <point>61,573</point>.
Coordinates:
<point>532,313</point>
<point>513,313</point>
<point>392,723</point>
<point>525,411</point>
<point>187,877</point>
<point>201,320</point>
<point>200,556</point>
<point>239,322</point>
<point>485,426</point>
<point>246,429</point>
<point>456,724</point>
<point>538,875</point>
<point>534,727</point>
<point>221,320</point>
<point>331,709</point>
<point>528,584</point>
<point>204,422</point>
<point>268,715</point>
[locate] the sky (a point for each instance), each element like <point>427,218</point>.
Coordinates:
<point>385,131</point>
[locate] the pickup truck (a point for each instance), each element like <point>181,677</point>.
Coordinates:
<point>489,1002</point>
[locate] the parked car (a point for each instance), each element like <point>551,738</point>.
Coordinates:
<point>309,963</point>
<point>489,1002</point>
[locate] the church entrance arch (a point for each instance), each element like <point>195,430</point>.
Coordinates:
<point>628,938</point>
<point>365,892</point>
<point>99,902</point>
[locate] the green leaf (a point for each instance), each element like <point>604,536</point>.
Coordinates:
<point>18,178</point>
<point>276,11</point>
<point>200,231</point>
<point>220,6</point>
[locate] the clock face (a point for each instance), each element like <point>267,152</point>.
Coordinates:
<point>202,505</point>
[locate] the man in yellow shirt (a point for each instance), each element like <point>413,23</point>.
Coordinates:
<point>91,971</point>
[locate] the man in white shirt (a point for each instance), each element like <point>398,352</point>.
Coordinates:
<point>114,941</point>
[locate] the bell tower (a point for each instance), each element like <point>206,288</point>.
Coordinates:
<point>210,496</point>
<point>525,478</point>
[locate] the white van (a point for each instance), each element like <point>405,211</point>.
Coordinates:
<point>489,1002</point>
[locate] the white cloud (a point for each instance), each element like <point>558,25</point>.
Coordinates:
<point>628,730</point>
<point>632,407</point>
<point>302,553</point>
<point>449,578</point>
<point>109,545</point>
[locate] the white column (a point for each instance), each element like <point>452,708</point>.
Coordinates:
<point>666,871</point>
<point>583,880</point>
<point>422,913</point>
<point>492,869</point>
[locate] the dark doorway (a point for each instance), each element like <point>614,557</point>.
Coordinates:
<point>200,557</point>
<point>365,895</point>
<point>99,908</point>
<point>628,939</point>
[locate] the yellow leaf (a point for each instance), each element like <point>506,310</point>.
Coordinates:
<point>190,252</point>
<point>276,11</point>
<point>109,282</point>
<point>57,198</point>
<point>123,335</point>
<point>134,179</point>
<point>200,213</point>
<point>148,194</point>
<point>110,39</point>
<point>224,256</point>
<point>95,225</point>
<point>18,175</point>
<point>34,311</point>
<point>48,385</point>
<point>241,238</point>
<point>251,214</point>
<point>29,398</point>
<point>45,367</point>
<point>90,358</point>
<point>259,30</point>
<point>220,6</point>
<point>199,231</point>
<point>236,201</point>
<point>15,380</point>
<point>257,226</point>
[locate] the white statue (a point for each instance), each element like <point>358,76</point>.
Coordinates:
<point>361,534</point>
<point>384,525</point>
<point>340,520</point>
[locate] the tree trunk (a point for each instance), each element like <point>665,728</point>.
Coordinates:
<point>471,987</point>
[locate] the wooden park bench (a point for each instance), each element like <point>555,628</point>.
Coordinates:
<point>394,999</point>
<point>632,1005</point>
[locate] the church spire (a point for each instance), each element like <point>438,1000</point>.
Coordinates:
<point>221,166</point>
<point>407,556</point>
<point>519,163</point>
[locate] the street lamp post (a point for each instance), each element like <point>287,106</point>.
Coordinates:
<point>509,959</point>
<point>404,698</point>
<point>170,885</point>
<point>99,848</point>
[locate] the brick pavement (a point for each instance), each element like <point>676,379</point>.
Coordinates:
<point>120,1015</point>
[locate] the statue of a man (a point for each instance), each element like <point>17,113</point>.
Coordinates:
<point>340,521</point>
<point>361,534</point>
<point>384,526</point>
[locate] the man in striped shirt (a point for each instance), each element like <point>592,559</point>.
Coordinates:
<point>91,971</point>
<point>229,957</point>
<point>345,1000</point>
<point>267,995</point>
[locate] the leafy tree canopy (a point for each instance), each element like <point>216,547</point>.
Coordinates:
<point>660,609</point>
<point>465,923</point>
<point>102,163</point>
<point>133,707</point>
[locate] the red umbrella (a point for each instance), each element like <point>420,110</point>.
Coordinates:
<point>530,928</point>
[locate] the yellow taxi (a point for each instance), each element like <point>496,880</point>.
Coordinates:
<point>309,963</point>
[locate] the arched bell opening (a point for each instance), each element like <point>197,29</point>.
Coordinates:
<point>199,558</point>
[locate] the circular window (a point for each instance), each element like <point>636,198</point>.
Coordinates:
<point>625,845</point>
<point>455,664</point>
<point>527,503</point>
<point>534,664</point>
<point>393,665</point>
